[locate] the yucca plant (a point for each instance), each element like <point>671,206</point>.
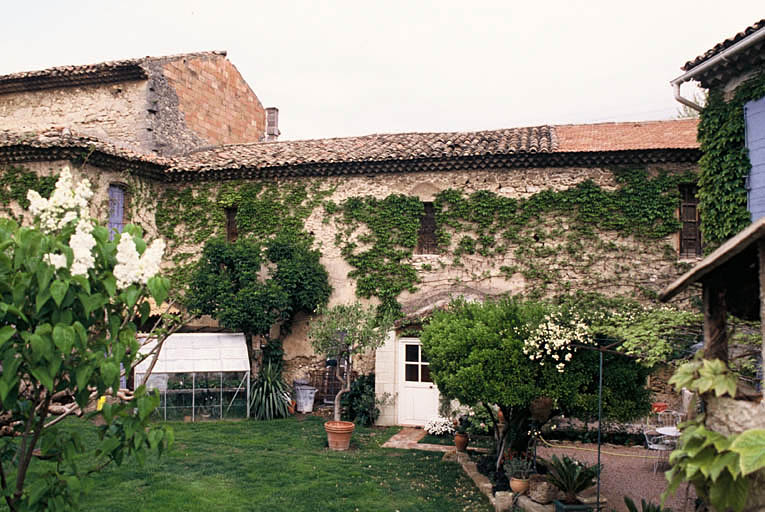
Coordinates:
<point>270,394</point>
<point>646,506</point>
<point>571,476</point>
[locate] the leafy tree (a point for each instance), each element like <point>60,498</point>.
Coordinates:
<point>476,353</point>
<point>251,286</point>
<point>71,302</point>
<point>344,331</point>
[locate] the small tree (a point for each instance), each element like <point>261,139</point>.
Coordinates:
<point>71,302</point>
<point>251,286</point>
<point>512,353</point>
<point>344,331</point>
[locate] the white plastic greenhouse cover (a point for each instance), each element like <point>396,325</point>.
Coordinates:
<point>199,352</point>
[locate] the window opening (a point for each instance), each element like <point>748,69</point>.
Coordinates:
<point>690,233</point>
<point>117,210</point>
<point>416,365</point>
<point>426,238</point>
<point>231,231</point>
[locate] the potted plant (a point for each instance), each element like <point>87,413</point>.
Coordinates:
<point>571,477</point>
<point>341,333</point>
<point>518,470</point>
<point>461,437</point>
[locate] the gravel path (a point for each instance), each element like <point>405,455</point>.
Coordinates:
<point>624,475</point>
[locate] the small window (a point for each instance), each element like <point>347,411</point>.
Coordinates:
<point>117,210</point>
<point>231,231</point>
<point>416,366</point>
<point>426,241</point>
<point>690,233</point>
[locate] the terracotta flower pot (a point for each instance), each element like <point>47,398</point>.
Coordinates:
<point>291,407</point>
<point>461,442</point>
<point>339,434</point>
<point>519,485</point>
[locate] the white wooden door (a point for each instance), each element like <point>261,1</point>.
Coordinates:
<point>418,395</point>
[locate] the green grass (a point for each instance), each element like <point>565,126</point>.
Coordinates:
<point>282,465</point>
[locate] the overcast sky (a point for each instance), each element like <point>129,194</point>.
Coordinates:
<point>337,68</point>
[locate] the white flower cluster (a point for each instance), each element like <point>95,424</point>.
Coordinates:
<point>553,339</point>
<point>132,268</point>
<point>439,426</point>
<point>67,203</point>
<point>82,243</point>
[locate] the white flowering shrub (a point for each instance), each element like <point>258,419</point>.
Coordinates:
<point>555,338</point>
<point>439,426</point>
<point>71,303</point>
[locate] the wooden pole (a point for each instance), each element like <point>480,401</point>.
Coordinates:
<point>715,325</point>
<point>761,254</point>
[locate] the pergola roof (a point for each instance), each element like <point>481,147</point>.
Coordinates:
<point>736,263</point>
<point>199,352</point>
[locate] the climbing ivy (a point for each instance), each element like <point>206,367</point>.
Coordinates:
<point>547,234</point>
<point>382,254</point>
<point>188,217</point>
<point>724,163</point>
<point>15,182</point>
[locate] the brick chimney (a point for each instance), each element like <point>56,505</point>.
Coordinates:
<point>272,124</point>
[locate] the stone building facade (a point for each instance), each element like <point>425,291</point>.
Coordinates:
<point>105,139</point>
<point>160,105</point>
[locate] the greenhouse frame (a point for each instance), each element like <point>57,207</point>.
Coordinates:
<point>200,376</point>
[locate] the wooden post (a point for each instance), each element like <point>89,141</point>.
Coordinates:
<point>715,325</point>
<point>761,254</point>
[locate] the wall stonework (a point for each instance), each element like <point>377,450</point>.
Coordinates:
<point>115,112</point>
<point>216,102</point>
<point>636,266</point>
<point>188,102</point>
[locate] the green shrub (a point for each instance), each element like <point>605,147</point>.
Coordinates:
<point>270,395</point>
<point>360,404</point>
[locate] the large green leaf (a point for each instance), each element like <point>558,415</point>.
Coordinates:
<point>58,291</point>
<point>63,337</point>
<point>750,446</point>
<point>158,288</point>
<point>6,332</point>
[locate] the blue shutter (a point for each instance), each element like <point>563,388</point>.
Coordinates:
<point>116,210</point>
<point>755,143</point>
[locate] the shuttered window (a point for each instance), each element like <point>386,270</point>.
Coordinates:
<point>117,210</point>
<point>690,234</point>
<point>231,231</point>
<point>426,240</point>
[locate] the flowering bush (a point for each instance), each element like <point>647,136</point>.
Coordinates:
<point>555,339</point>
<point>71,301</point>
<point>439,426</point>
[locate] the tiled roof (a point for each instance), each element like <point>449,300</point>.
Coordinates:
<point>723,45</point>
<point>541,146</point>
<point>61,143</point>
<point>545,145</point>
<point>103,72</point>
<point>371,148</point>
<point>676,134</point>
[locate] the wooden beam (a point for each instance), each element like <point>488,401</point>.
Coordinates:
<point>715,325</point>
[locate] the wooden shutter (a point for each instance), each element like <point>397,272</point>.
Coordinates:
<point>426,240</point>
<point>690,234</point>
<point>231,230</point>
<point>116,210</point>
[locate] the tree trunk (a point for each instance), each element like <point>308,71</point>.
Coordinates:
<point>715,326</point>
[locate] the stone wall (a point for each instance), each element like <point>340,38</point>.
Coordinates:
<point>115,112</point>
<point>649,265</point>
<point>187,102</point>
<point>216,102</point>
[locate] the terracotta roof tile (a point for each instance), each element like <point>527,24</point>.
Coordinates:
<point>676,134</point>
<point>723,45</point>
<point>371,148</point>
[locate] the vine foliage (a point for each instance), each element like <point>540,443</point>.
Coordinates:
<point>725,163</point>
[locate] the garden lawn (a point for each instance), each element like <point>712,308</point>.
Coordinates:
<point>281,465</point>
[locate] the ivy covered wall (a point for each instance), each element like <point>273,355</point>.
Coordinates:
<point>541,231</point>
<point>724,164</point>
